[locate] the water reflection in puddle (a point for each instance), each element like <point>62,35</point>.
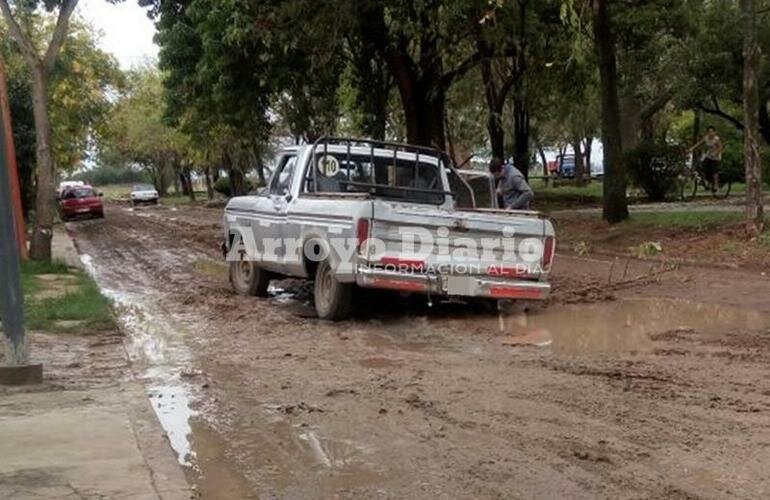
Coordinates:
<point>157,351</point>
<point>172,406</point>
<point>623,326</point>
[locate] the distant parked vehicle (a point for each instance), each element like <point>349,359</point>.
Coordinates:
<point>80,202</point>
<point>567,165</point>
<point>144,193</point>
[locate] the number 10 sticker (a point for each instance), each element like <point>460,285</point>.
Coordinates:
<point>328,166</point>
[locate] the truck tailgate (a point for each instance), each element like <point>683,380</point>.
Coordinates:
<point>474,242</point>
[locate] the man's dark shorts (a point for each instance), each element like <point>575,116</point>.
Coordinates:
<point>710,167</point>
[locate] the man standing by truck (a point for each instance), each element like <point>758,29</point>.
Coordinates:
<point>513,192</point>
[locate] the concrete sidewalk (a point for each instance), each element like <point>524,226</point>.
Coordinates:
<point>63,248</point>
<point>88,431</point>
<point>85,444</point>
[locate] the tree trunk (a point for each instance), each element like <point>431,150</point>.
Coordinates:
<point>615,201</point>
<point>696,131</point>
<point>40,245</point>
<point>237,184</point>
<point>494,109</point>
<point>209,185</point>
<point>630,122</point>
<point>260,168</point>
<point>764,120</point>
<point>751,61</point>
<point>496,133</point>
<point>589,146</point>
<point>580,168</point>
<point>521,134</point>
<point>423,101</point>
<point>425,118</point>
<point>183,182</point>
<point>544,160</point>
<point>450,144</point>
<point>188,183</point>
<point>379,122</point>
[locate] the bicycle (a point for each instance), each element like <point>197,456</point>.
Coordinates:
<point>693,177</point>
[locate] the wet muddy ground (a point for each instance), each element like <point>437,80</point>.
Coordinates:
<point>635,381</point>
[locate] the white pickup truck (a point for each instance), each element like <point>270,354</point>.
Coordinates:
<point>350,213</point>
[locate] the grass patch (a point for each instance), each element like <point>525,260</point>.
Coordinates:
<point>591,190</point>
<point>31,268</point>
<point>684,219</point>
<point>82,306</point>
<point>174,200</point>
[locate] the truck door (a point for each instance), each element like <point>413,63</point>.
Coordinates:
<point>280,196</point>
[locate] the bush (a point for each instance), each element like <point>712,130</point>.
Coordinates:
<point>222,186</point>
<point>658,178</point>
<point>732,168</point>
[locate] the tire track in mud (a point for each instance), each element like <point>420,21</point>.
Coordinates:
<point>418,402</point>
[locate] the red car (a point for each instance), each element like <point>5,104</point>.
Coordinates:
<point>80,201</point>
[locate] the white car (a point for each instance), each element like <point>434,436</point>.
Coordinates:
<point>144,193</point>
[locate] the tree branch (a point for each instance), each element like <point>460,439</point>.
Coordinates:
<point>656,105</point>
<point>717,111</point>
<point>59,34</point>
<point>18,34</point>
<point>447,78</point>
<point>508,84</point>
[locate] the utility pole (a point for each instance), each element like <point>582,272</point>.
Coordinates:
<point>10,154</point>
<point>17,370</point>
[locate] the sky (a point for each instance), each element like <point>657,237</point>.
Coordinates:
<point>126,30</point>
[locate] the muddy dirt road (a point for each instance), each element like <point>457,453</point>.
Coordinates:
<point>619,388</point>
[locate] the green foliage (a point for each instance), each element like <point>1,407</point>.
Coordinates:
<point>137,133</point>
<point>655,168</point>
<point>106,174</point>
<point>698,220</point>
<point>79,103</point>
<point>83,79</point>
<point>224,186</point>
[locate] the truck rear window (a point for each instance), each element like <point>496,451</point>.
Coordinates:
<point>381,176</point>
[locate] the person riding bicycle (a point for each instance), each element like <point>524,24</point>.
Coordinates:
<point>711,159</point>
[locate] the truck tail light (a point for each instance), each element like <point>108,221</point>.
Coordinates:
<point>362,233</point>
<point>549,248</point>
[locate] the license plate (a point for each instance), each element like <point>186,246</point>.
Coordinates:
<point>83,210</point>
<point>460,285</point>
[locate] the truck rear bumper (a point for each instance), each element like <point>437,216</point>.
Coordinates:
<point>459,286</point>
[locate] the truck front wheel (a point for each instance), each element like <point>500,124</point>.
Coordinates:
<point>332,299</point>
<point>248,279</point>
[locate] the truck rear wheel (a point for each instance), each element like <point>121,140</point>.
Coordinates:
<point>332,299</point>
<point>248,279</point>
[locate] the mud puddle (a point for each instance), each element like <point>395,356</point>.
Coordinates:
<point>623,326</point>
<point>157,345</point>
